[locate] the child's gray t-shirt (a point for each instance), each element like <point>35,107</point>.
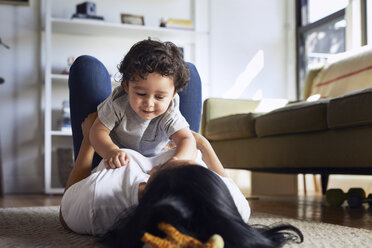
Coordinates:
<point>128,130</point>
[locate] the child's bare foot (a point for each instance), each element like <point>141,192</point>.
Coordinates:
<point>87,123</point>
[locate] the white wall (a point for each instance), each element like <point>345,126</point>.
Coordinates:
<point>21,118</point>
<point>254,33</point>
<point>239,29</point>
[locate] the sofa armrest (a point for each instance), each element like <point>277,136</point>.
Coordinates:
<point>214,108</point>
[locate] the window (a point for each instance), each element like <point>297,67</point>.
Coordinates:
<point>320,32</point>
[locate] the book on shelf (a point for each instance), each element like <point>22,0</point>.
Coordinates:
<point>179,23</point>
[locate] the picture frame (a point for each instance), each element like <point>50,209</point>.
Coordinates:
<point>15,2</point>
<point>132,19</point>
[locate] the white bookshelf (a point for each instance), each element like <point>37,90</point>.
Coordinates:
<point>57,28</point>
<point>102,28</point>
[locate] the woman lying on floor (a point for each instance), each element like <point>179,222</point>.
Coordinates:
<point>195,197</point>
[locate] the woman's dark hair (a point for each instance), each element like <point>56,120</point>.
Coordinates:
<point>197,202</point>
<point>150,56</point>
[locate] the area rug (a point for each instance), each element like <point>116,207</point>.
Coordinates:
<point>39,227</point>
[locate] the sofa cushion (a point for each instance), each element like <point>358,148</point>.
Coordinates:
<point>352,109</point>
<point>293,118</point>
<point>231,127</point>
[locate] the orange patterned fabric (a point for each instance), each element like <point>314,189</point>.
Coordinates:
<point>175,239</point>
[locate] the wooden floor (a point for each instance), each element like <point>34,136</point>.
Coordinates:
<point>311,208</point>
<point>314,208</point>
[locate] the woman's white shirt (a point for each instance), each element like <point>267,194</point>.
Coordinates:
<point>92,205</point>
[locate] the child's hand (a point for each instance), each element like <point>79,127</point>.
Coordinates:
<point>116,159</point>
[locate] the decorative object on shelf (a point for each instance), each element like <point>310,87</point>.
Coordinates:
<point>65,119</point>
<point>2,80</point>
<point>3,44</point>
<point>163,23</point>
<point>70,61</point>
<point>86,10</point>
<point>65,164</point>
<point>15,2</point>
<point>178,23</point>
<point>132,19</point>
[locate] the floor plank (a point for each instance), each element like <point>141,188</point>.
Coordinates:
<point>8,201</point>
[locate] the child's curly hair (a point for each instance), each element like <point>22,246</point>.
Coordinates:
<point>150,56</point>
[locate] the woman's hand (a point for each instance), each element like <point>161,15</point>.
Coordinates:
<point>116,159</point>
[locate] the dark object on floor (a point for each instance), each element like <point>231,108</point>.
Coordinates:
<point>355,197</point>
<point>356,201</point>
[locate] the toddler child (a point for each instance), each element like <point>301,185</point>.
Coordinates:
<point>143,112</point>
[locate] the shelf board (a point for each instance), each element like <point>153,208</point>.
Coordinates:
<point>102,28</point>
<point>63,78</point>
<point>59,78</point>
<point>61,133</point>
<point>54,190</point>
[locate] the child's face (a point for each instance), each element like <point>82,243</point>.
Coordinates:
<point>151,97</point>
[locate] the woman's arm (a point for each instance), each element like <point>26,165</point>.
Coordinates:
<point>185,145</point>
<point>208,155</point>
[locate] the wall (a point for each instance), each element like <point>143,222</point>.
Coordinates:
<point>21,117</point>
<point>250,41</point>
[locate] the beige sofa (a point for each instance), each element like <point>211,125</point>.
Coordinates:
<point>332,135</point>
